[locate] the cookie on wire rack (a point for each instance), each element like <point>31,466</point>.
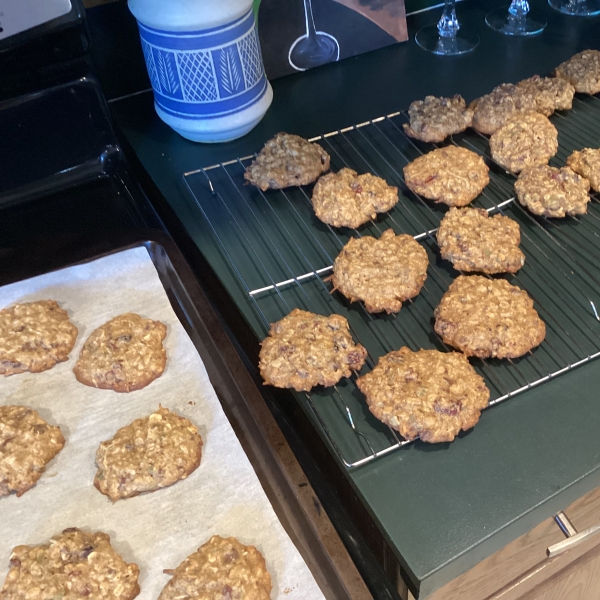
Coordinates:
<point>586,162</point>
<point>582,71</point>
<point>550,93</point>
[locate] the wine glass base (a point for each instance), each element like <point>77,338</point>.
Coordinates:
<point>577,8</point>
<point>312,51</point>
<point>429,39</point>
<point>501,20</point>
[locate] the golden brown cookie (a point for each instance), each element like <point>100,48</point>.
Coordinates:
<point>582,71</point>
<point>434,119</point>
<point>221,569</point>
<point>34,336</point>
<point>381,273</point>
<point>124,354</point>
<point>526,140</point>
<point>27,445</point>
<point>550,93</point>
<point>488,318</point>
<point>452,175</point>
<point>553,192</point>
<point>303,350</point>
<point>346,199</point>
<point>492,111</point>
<point>74,564</point>
<point>473,241</point>
<point>586,162</point>
<point>147,455</point>
<point>287,160</point>
<point>428,394</point>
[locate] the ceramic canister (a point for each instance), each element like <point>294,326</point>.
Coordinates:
<point>205,66</point>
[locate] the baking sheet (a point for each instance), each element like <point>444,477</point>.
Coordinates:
<point>158,530</point>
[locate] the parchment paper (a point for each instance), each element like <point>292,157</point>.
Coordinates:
<point>158,530</point>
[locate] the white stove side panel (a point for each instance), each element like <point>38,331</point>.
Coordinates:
<point>19,15</point>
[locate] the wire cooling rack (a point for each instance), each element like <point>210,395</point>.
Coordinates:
<point>281,255</point>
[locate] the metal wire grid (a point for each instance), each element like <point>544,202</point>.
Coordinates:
<point>281,256</point>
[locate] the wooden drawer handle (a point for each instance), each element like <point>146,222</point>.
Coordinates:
<point>572,540</point>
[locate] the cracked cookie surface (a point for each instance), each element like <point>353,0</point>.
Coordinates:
<point>221,569</point>
<point>382,272</point>
<point>586,162</point>
<point>124,354</point>
<point>550,93</point>
<point>287,160</point>
<point>34,336</point>
<point>304,350</point>
<point>582,71</point>
<point>488,318</point>
<point>428,394</point>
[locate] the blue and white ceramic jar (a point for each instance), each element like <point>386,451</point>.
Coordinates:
<point>205,65</point>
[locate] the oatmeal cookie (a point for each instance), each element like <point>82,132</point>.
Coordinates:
<point>382,273</point>
<point>452,175</point>
<point>34,336</point>
<point>426,394</point>
<point>287,160</point>
<point>552,192</point>
<point>473,241</point>
<point>586,162</point>
<point>582,71</point>
<point>124,354</point>
<point>27,445</point>
<point>303,350</point>
<point>492,111</point>
<point>550,93</point>
<point>526,140</point>
<point>147,455</point>
<point>222,568</point>
<point>346,199</point>
<point>74,564</point>
<point>488,318</point>
<point>434,119</point>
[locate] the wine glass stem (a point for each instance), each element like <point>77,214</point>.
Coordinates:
<point>448,24</point>
<point>311,31</point>
<point>519,8</point>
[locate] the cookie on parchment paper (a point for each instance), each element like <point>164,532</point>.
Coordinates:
<point>452,175</point>
<point>428,394</point>
<point>586,162</point>
<point>34,336</point>
<point>526,140</point>
<point>304,350</point>
<point>149,454</point>
<point>124,354</point>
<point>74,564</point>
<point>583,71</point>
<point>552,192</point>
<point>488,318</point>
<point>473,241</point>
<point>27,445</point>
<point>434,119</point>
<point>347,199</point>
<point>287,160</point>
<point>382,272</point>
<point>550,93</point>
<point>222,568</point>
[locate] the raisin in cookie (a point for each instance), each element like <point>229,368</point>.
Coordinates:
<point>452,175</point>
<point>34,336</point>
<point>526,140</point>
<point>27,445</point>
<point>287,160</point>
<point>428,394</point>
<point>147,455</point>
<point>473,241</point>
<point>553,192</point>
<point>124,354</point>
<point>586,162</point>
<point>550,93</point>
<point>582,71</point>
<point>434,119</point>
<point>74,564</point>
<point>222,568</point>
<point>381,273</point>
<point>304,350</point>
<point>346,199</point>
<point>488,318</point>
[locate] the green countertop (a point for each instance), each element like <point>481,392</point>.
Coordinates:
<point>443,508</point>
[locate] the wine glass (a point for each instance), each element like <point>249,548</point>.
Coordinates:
<point>515,21</point>
<point>578,8</point>
<point>314,48</point>
<point>444,38</point>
